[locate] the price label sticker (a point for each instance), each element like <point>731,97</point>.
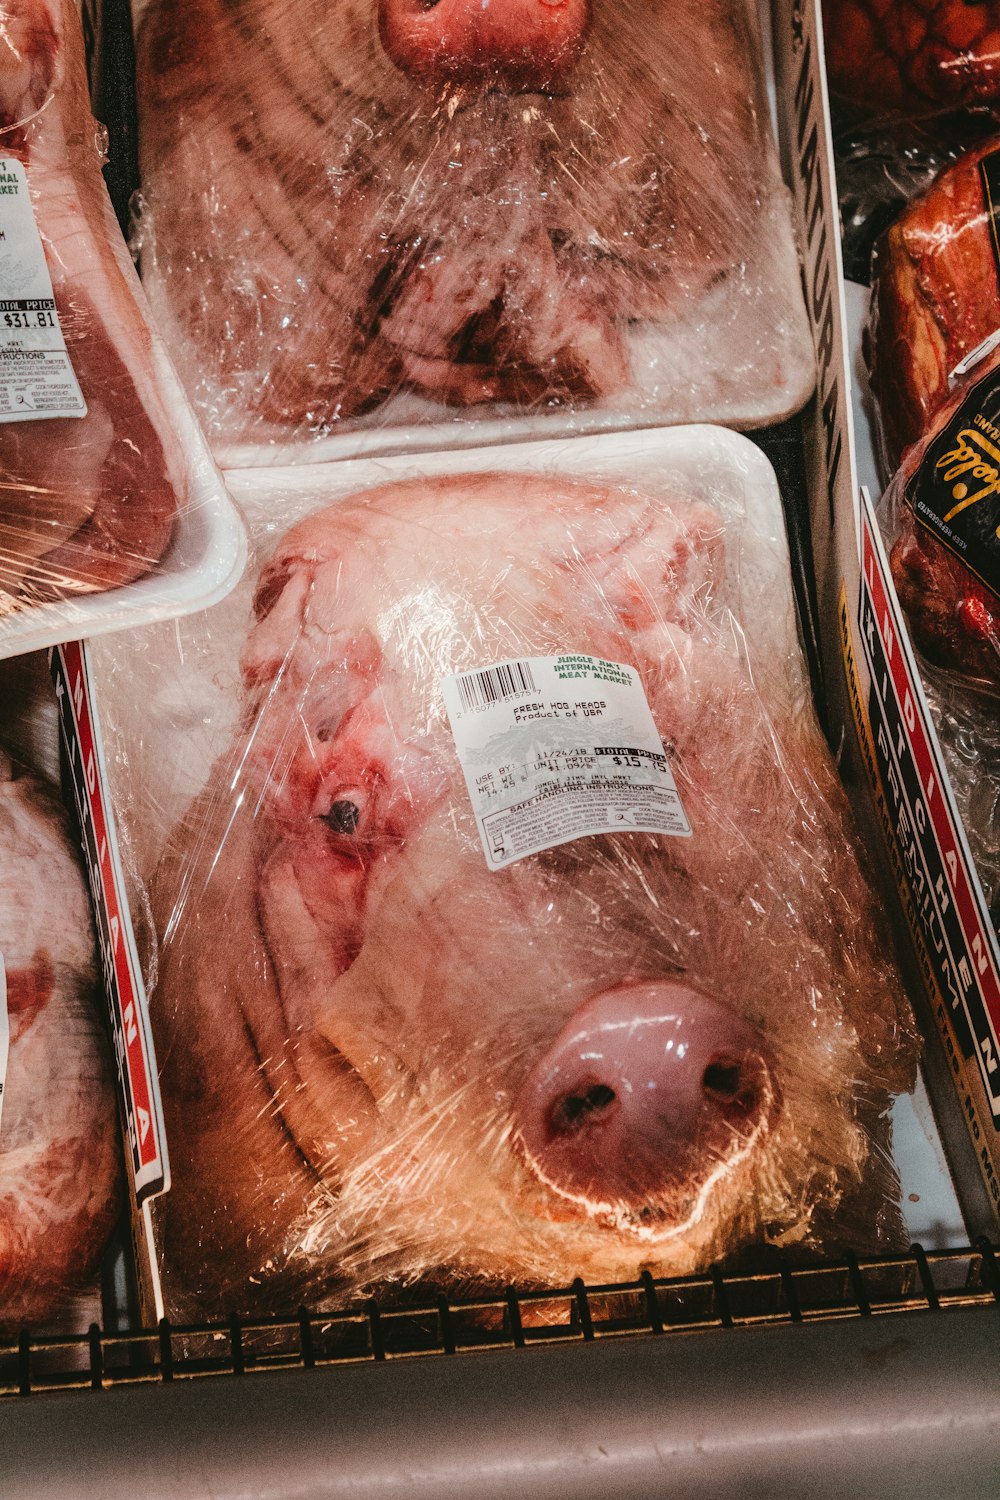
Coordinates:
<point>37,379</point>
<point>554,748</point>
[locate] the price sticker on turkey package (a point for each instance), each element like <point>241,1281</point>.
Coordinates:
<point>37,379</point>
<point>554,748</point>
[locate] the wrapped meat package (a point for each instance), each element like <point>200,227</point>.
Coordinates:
<point>60,1162</point>
<point>913,58</point>
<point>501,908</point>
<point>105,477</point>
<point>936,296</point>
<point>915,84</point>
<point>941,520</point>
<point>387,219</point>
<point>940,517</point>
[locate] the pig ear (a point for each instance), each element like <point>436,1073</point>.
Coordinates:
<point>279,607</point>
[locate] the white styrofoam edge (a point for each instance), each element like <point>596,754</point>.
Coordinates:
<point>145,602</point>
<point>462,433</point>
<point>207,550</point>
<point>624,457</point>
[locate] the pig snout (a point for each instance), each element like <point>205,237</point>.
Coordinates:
<point>524,46</point>
<point>647,1094</point>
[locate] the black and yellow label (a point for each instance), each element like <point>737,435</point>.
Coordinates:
<point>955,492</point>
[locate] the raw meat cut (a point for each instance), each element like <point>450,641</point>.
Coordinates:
<point>953,617</point>
<point>494,203</point>
<point>86,503</point>
<point>59,1153</point>
<point>913,56</point>
<point>383,1062</point>
<point>935,298</point>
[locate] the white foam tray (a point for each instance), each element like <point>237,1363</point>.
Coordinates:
<point>199,713</point>
<point>692,355</point>
<point>205,558</point>
<point>705,459</point>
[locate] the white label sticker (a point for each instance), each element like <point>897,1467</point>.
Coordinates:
<point>557,747</point>
<point>37,380</point>
<point>4,1031</point>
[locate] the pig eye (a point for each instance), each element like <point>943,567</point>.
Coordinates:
<point>346,812</point>
<point>344,816</point>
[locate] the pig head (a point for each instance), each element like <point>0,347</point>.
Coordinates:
<point>382,1062</point>
<point>470,199</point>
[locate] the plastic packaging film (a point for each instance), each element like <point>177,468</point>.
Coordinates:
<point>939,516</point>
<point>60,1158</point>
<point>936,296</point>
<point>105,475</point>
<point>384,1062</point>
<point>397,225</point>
<point>914,86</point>
<point>911,59</point>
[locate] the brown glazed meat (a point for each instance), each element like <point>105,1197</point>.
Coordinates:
<point>59,1151</point>
<point>85,503</point>
<point>472,200</point>
<point>383,1062</point>
<point>935,297</point>
<point>913,56</point>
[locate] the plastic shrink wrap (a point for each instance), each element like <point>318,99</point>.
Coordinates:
<point>376,214</point>
<point>913,58</point>
<point>60,1163</point>
<point>467,965</point>
<point>940,517</point>
<point>936,296</point>
<point>915,84</point>
<point>102,464</point>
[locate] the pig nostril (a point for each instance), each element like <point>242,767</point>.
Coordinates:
<point>724,1079</point>
<point>738,1088</point>
<point>584,1106</point>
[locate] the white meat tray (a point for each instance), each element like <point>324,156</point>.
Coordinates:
<point>199,711</point>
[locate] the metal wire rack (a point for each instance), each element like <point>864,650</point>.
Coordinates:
<point>375,1332</point>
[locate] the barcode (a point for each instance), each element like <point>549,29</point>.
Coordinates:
<point>512,679</point>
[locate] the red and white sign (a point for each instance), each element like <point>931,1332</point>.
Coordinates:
<point>119,959</point>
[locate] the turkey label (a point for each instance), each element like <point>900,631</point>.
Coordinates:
<point>554,748</point>
<point>37,379</point>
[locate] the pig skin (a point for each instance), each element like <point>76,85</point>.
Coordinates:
<point>59,1155</point>
<point>345,1013</point>
<point>934,299</point>
<point>85,503</point>
<point>319,230</point>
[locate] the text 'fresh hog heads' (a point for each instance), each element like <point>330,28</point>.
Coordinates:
<point>385,1062</point>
